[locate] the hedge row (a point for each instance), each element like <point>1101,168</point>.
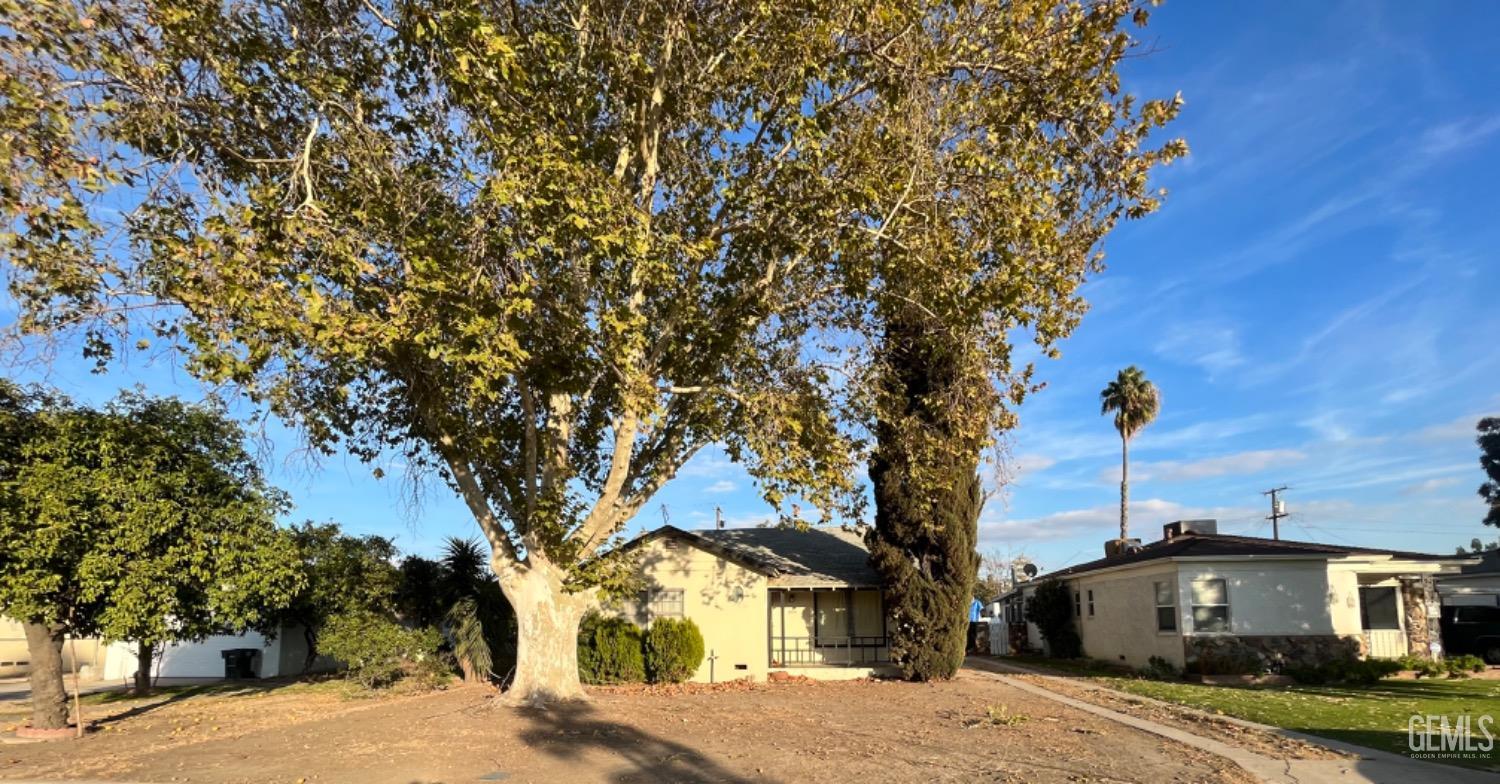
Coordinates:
<point>614,650</point>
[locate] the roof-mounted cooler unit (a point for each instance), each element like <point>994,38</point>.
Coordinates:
<point>1180,527</point>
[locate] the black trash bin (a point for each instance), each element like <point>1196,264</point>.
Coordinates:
<point>239,663</point>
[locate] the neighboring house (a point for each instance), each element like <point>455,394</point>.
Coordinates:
<point>767,600</point>
<point>117,661</point>
<point>1477,583</point>
<point>15,657</point>
<point>1197,595</point>
<point>283,655</point>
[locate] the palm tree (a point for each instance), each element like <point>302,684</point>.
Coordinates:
<point>1135,402</point>
<point>476,613</point>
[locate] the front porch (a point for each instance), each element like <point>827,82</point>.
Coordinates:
<point>815,627</point>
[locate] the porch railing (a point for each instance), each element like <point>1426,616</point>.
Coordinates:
<point>829,651</point>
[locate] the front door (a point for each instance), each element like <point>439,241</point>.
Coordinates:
<point>1380,617</point>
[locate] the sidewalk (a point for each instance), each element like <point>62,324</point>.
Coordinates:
<point>1370,767</point>
<point>15,692</point>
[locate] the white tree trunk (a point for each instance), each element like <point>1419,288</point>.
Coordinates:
<point>546,634</point>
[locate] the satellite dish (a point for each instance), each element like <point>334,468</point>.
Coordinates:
<point>1029,570</point>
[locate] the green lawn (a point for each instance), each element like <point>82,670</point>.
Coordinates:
<point>1374,716</point>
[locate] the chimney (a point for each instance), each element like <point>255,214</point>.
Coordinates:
<point>1178,528</point>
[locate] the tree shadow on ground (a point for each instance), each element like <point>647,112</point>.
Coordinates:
<point>167,695</point>
<point>570,729</point>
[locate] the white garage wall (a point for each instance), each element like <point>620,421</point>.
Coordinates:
<point>196,659</point>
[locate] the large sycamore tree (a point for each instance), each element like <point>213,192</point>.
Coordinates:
<point>548,250</point>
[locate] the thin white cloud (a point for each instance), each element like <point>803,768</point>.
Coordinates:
<point>1462,428</point>
<point>1213,347</point>
<point>721,486</point>
<point>1146,518</point>
<point>1456,136</point>
<point>1032,463</point>
<point>1430,485</point>
<point>1237,464</point>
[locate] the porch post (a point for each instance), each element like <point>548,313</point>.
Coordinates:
<point>1414,594</point>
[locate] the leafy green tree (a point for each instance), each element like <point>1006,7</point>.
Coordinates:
<point>1489,460</point>
<point>551,252</point>
<point>1136,402</point>
<point>38,570</point>
<point>344,575</point>
<point>189,544</point>
<point>1478,546</point>
<point>148,522</point>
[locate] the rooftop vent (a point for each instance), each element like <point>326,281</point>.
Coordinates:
<point>1115,547</point>
<point>1176,529</point>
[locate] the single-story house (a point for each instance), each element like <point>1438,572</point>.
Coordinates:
<point>1197,595</point>
<point>1475,584</point>
<point>767,600</point>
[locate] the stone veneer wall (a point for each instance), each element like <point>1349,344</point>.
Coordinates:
<point>1244,654</point>
<point>1414,595</point>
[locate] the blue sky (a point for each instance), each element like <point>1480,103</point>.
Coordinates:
<point>1317,301</point>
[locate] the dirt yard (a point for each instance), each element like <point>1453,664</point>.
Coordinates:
<point>971,729</point>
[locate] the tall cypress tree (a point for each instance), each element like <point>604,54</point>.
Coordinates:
<point>927,495</point>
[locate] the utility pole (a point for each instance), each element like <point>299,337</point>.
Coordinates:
<point>718,518</point>
<point>1278,510</point>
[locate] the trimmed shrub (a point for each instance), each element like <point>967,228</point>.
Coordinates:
<point>1462,666</point>
<point>1352,671</point>
<point>1051,609</point>
<point>610,650</point>
<point>377,651</point>
<point>1159,669</point>
<point>674,649</point>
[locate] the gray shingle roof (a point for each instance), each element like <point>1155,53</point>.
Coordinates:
<point>1211,545</point>
<point>790,557</point>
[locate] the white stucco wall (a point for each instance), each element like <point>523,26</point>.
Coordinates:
<point>1123,626</point>
<point>1271,596</point>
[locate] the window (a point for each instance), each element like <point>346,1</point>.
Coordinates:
<point>1377,608</point>
<point>662,603</point>
<point>831,614</point>
<point>1210,606</point>
<point>1091,604</point>
<point>1078,604</point>
<point>1166,607</point>
<point>1476,614</point>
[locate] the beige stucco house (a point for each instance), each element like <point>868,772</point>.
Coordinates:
<point>1197,594</point>
<point>767,600</point>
